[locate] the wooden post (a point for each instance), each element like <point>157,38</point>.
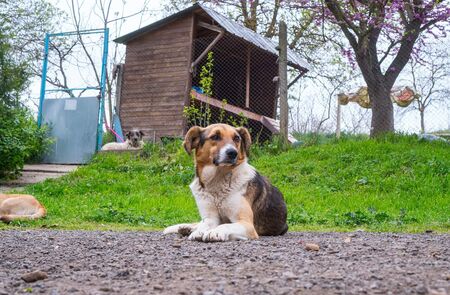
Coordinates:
<point>119,78</point>
<point>338,120</point>
<point>282,74</point>
<point>211,45</point>
<point>187,94</point>
<point>247,81</point>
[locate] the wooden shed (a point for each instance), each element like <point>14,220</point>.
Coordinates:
<point>162,64</point>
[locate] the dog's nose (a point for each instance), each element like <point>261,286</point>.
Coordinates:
<point>231,154</point>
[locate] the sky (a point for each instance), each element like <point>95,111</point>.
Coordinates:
<point>128,8</point>
<point>438,117</point>
<point>90,19</point>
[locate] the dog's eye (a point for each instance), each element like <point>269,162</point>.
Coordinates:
<point>215,137</point>
<point>237,138</point>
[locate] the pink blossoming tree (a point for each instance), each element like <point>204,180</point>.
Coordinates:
<point>383,36</point>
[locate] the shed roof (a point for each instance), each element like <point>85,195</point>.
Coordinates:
<point>294,59</point>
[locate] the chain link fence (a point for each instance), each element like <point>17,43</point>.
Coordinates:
<point>230,99</point>
<point>314,111</point>
<point>231,80</point>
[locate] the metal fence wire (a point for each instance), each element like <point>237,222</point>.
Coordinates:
<point>233,82</point>
<point>174,80</point>
<point>228,67</point>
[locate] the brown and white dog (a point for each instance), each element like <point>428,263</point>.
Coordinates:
<point>133,142</point>
<point>235,202</point>
<point>20,207</point>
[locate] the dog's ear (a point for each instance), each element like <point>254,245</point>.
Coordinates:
<point>128,134</point>
<point>246,140</point>
<point>141,133</point>
<point>192,139</point>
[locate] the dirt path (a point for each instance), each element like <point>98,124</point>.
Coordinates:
<point>35,173</point>
<point>80,262</point>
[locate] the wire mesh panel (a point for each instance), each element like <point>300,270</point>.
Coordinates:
<point>202,68</point>
<point>239,80</point>
<point>172,82</point>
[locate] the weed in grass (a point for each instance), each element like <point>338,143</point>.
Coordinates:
<point>371,217</point>
<point>108,213</point>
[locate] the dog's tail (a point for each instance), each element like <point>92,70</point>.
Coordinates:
<point>41,212</point>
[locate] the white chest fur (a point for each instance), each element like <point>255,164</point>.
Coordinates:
<point>223,190</point>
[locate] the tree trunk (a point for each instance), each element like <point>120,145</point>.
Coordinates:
<point>382,110</point>
<point>422,121</point>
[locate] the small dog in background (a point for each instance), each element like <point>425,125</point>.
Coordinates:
<point>20,207</point>
<point>134,142</point>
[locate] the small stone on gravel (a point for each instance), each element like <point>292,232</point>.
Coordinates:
<point>34,276</point>
<point>290,275</point>
<point>158,287</point>
<point>312,247</point>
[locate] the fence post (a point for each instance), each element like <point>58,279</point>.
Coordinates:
<point>338,120</point>
<point>44,78</point>
<point>282,74</point>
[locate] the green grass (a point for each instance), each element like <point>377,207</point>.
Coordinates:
<point>390,184</point>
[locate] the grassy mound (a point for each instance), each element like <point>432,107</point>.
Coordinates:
<point>390,184</point>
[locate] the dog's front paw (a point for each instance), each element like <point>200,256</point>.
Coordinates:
<point>171,230</point>
<point>196,235</point>
<point>216,235</point>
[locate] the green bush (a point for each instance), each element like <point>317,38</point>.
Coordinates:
<point>20,140</point>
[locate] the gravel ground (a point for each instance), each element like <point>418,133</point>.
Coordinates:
<point>80,262</point>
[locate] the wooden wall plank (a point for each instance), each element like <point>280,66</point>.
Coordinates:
<point>154,83</point>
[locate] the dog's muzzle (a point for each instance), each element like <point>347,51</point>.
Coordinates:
<point>135,142</point>
<point>227,156</point>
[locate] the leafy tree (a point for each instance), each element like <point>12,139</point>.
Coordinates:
<point>26,22</point>
<point>20,138</point>
<point>22,27</point>
<point>13,75</point>
<point>262,16</point>
<point>383,35</point>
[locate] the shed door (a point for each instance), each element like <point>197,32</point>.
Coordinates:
<point>73,127</point>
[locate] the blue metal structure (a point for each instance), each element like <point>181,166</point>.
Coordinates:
<point>73,127</point>
<point>101,87</point>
